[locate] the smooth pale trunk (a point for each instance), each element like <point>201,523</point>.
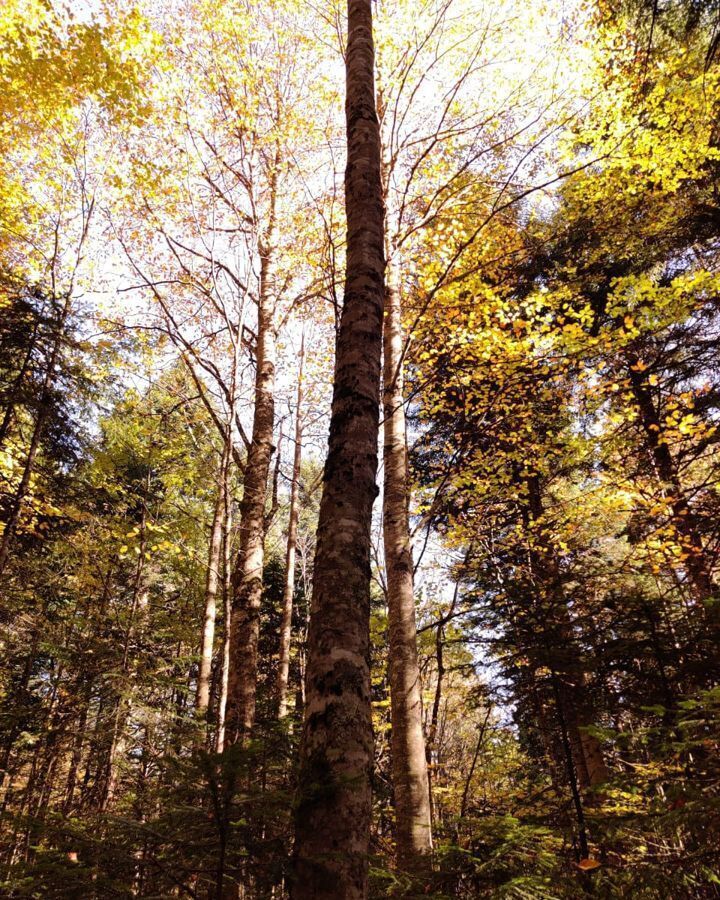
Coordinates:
<point>212,582</point>
<point>333,812</point>
<point>289,586</point>
<point>413,834</point>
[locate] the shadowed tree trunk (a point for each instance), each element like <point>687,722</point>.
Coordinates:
<point>410,777</point>
<point>563,655</point>
<point>334,805</point>
<point>18,382</point>
<point>77,746</point>
<point>432,725</point>
<point>248,573</point>
<point>289,587</point>
<point>697,569</point>
<point>16,504</point>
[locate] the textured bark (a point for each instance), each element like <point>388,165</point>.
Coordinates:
<point>248,574</point>
<point>334,806</point>
<point>413,834</point>
<point>212,583</point>
<point>594,759</point>
<point>289,586</point>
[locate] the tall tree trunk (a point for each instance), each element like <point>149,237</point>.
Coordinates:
<point>124,705</point>
<point>473,764</point>
<point>20,698</point>
<point>570,762</point>
<point>212,583</point>
<point>227,610</point>
<point>698,572</point>
<point>77,746</point>
<point>289,587</point>
<point>17,385</point>
<point>432,726</point>
<point>410,777</point>
<point>561,653</point>
<point>38,430</point>
<point>248,574</point>
<point>332,825</point>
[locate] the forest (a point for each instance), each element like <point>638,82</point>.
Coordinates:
<point>360,449</point>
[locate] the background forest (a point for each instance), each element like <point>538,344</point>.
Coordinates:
<point>544,610</point>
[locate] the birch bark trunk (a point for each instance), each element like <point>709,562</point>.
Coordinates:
<point>212,583</point>
<point>410,776</point>
<point>289,587</point>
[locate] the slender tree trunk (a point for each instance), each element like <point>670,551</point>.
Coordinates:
<point>248,573</point>
<point>227,610</point>
<point>124,704</point>
<point>699,574</point>
<point>332,825</point>
<point>571,770</point>
<point>562,653</point>
<point>289,587</point>
<point>17,386</point>
<point>212,583</point>
<point>473,764</point>
<point>540,703</point>
<point>410,778</point>
<point>432,729</point>
<point>37,434</point>
<point>77,747</point>
<point>21,698</point>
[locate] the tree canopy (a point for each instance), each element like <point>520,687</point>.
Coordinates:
<point>360,449</point>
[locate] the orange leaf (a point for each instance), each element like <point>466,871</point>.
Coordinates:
<point>587,865</point>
